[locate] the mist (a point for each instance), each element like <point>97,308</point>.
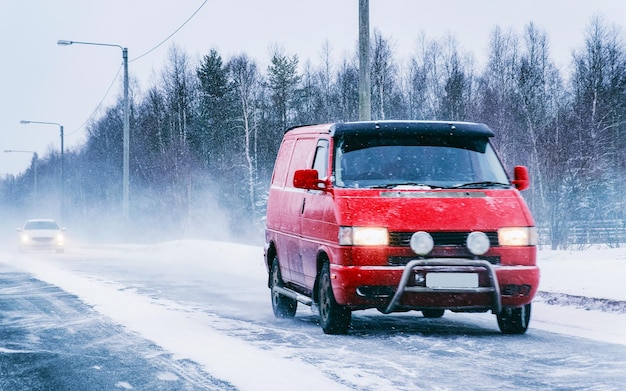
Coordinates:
<point>204,136</point>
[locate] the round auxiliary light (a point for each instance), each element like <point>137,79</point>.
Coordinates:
<point>422,243</point>
<point>478,243</point>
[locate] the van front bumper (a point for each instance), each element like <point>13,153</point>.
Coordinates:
<point>401,288</point>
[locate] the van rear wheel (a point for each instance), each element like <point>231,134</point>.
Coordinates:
<point>283,306</point>
<point>514,320</point>
<point>334,318</point>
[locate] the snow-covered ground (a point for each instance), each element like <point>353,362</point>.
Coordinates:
<point>583,294</point>
<point>587,292</point>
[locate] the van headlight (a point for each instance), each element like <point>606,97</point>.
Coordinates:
<point>517,236</point>
<point>363,236</point>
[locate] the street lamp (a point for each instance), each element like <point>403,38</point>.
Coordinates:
<point>125,173</point>
<point>25,122</point>
<point>34,170</point>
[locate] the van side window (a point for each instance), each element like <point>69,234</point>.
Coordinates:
<point>320,161</point>
<point>301,158</point>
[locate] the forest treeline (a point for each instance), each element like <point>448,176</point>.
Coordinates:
<point>204,136</point>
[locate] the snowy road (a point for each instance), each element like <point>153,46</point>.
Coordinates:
<point>49,340</point>
<point>179,306</point>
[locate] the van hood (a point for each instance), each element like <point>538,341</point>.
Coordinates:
<point>432,210</point>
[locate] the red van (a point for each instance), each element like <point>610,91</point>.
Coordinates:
<point>397,216</point>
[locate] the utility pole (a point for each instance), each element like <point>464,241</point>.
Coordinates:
<point>126,138</point>
<point>126,130</point>
<point>365,94</point>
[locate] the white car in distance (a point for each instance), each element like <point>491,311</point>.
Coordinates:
<point>41,234</point>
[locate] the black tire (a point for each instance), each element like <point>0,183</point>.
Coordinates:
<point>514,320</point>
<point>433,313</point>
<point>283,306</point>
<point>334,318</point>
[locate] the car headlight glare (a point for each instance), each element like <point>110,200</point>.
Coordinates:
<point>477,243</point>
<point>422,243</point>
<point>363,236</point>
<point>517,236</point>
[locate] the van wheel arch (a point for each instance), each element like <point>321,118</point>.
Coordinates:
<point>269,259</point>
<point>282,306</point>
<point>334,318</point>
<point>322,258</point>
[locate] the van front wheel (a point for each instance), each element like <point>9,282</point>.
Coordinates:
<point>514,320</point>
<point>334,318</point>
<point>433,313</point>
<point>283,306</point>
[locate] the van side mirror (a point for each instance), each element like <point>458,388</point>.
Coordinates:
<point>522,179</point>
<point>308,180</point>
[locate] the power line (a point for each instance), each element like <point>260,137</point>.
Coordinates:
<point>172,34</point>
<point>134,59</point>
<point>93,113</point>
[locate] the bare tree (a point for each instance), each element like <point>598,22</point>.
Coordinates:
<point>384,75</point>
<point>541,110</point>
<point>244,79</point>
<point>325,79</point>
<point>599,104</point>
<point>498,97</point>
<point>347,91</point>
<point>457,80</point>
<point>416,90</point>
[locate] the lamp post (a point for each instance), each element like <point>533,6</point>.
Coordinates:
<point>126,152</point>
<point>34,170</point>
<point>25,122</point>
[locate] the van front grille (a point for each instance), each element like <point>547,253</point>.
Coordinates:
<point>403,261</point>
<point>403,239</point>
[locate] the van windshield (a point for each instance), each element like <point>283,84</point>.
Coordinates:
<point>430,162</point>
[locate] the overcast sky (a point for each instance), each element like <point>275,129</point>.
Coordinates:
<point>41,81</point>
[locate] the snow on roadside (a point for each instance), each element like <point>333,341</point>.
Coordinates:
<point>583,294</point>
<point>596,273</point>
<point>569,320</point>
<point>185,333</point>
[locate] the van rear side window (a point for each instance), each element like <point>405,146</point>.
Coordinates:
<point>280,170</point>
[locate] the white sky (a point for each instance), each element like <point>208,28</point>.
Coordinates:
<point>41,81</point>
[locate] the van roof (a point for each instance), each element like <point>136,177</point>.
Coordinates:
<point>431,128</point>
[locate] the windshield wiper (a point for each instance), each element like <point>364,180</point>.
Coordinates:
<point>405,184</point>
<point>480,185</point>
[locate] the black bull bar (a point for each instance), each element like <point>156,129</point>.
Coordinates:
<point>494,287</point>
